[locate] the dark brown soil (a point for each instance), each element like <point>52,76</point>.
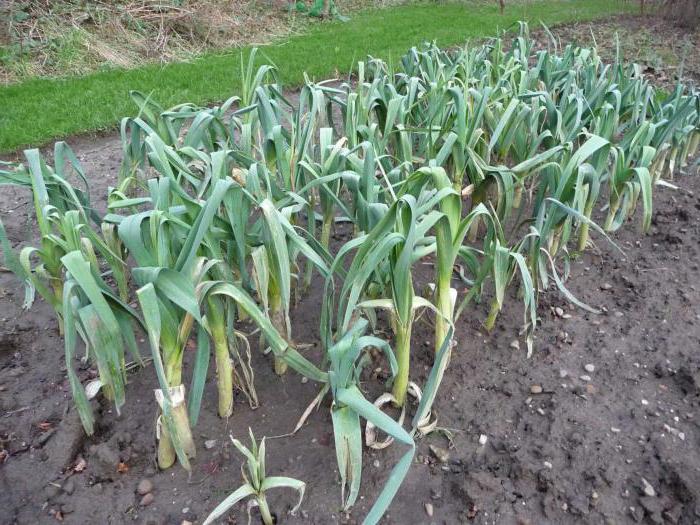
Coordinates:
<point>581,451</point>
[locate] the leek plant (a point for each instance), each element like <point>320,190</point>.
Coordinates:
<point>53,197</point>
<point>397,240</point>
<point>105,324</point>
<point>450,231</point>
<point>327,175</point>
<point>256,483</point>
<point>273,261</point>
<point>170,303</point>
<point>165,244</point>
<point>349,405</point>
<point>216,317</point>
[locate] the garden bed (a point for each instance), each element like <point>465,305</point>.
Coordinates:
<point>601,424</point>
<point>643,349</point>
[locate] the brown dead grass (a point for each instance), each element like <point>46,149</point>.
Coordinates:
<point>68,37</point>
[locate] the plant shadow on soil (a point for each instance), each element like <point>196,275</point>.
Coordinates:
<point>576,452</point>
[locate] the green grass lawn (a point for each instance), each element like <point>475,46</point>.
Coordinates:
<point>38,110</point>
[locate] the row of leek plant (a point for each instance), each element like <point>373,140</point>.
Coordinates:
<point>486,158</point>
<point>557,125</point>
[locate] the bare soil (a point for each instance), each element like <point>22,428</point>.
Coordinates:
<point>592,447</point>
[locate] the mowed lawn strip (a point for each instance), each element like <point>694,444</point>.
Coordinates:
<point>39,110</point>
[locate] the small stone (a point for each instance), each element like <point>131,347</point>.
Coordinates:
<point>52,491</point>
<point>590,368</point>
<point>585,377</point>
<point>606,286</point>
<point>483,438</point>
<point>515,344</point>
<point>186,522</point>
<point>645,402</point>
<point>107,461</point>
<point>614,430</point>
<point>563,373</point>
<point>376,463</point>
<point>147,500</point>
<point>637,513</point>
<point>559,311</point>
<point>80,464</point>
<point>674,513</point>
<point>210,444</point>
<point>185,510</point>
<point>43,438</point>
<point>536,389</point>
<point>548,465</point>
<point>68,487</point>
<point>442,455</point>
<point>124,438</point>
<point>648,489</point>
<point>429,509</point>
<point>304,380</point>
<point>144,487</point>
<point>653,507</point>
